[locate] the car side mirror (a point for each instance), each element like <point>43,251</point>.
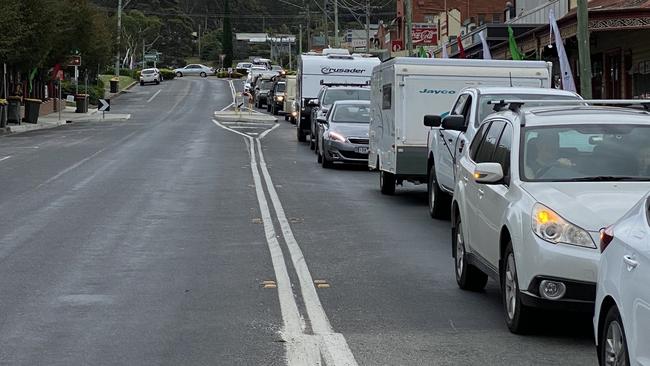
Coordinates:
<point>313,103</point>
<point>432,120</point>
<point>488,173</point>
<point>454,123</point>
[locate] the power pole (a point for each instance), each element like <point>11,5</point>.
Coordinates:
<point>144,52</point>
<point>583,49</point>
<point>308,28</point>
<point>409,26</point>
<point>336,23</point>
<point>325,21</point>
<point>119,37</point>
<point>367,26</point>
<point>300,39</point>
<point>199,41</point>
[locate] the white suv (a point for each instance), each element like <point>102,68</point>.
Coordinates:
<point>533,190</point>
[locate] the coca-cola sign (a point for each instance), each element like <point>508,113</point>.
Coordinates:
<point>424,36</point>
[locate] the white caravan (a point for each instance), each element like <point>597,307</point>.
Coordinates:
<point>315,70</point>
<point>405,89</point>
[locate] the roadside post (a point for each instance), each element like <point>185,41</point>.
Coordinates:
<point>104,106</point>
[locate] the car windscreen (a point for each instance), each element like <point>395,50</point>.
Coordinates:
<point>486,109</point>
<point>266,85</point>
<point>149,71</point>
<point>598,152</point>
<point>333,95</point>
<point>281,87</point>
<point>350,113</point>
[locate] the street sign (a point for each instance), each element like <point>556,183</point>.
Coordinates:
<point>152,57</point>
<point>104,105</point>
<point>75,61</point>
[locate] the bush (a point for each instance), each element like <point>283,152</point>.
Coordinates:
<point>94,92</point>
<point>234,75</point>
<point>222,74</point>
<point>167,74</point>
<point>237,75</point>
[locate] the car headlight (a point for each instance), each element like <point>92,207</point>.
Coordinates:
<point>279,98</point>
<point>335,136</point>
<point>551,227</point>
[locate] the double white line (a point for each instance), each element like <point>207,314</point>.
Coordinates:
<point>302,348</point>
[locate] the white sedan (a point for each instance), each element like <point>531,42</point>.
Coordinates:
<point>622,316</point>
<point>533,190</point>
<point>194,69</point>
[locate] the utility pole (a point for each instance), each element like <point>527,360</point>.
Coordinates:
<point>367,26</point>
<point>325,21</point>
<point>119,36</point>
<point>300,39</point>
<point>144,52</point>
<point>409,27</point>
<point>308,28</point>
<point>583,49</point>
<point>199,41</point>
<point>336,23</point>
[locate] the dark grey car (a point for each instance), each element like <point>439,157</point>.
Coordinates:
<point>345,134</point>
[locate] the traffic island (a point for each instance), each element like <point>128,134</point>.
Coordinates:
<point>243,116</point>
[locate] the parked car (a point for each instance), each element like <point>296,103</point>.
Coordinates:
<point>329,94</point>
<point>279,69</point>
<point>194,69</point>
<point>264,62</point>
<point>442,145</point>
<point>244,67</point>
<point>622,316</point>
<point>277,95</point>
<point>290,107</point>
<point>262,90</point>
<point>533,189</point>
<point>150,76</point>
<point>345,134</point>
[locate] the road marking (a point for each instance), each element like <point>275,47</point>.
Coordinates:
<point>153,96</point>
<point>263,135</point>
<point>5,158</point>
<point>332,347</point>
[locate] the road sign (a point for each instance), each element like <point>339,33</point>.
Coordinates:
<point>151,57</point>
<point>104,105</point>
<point>75,61</point>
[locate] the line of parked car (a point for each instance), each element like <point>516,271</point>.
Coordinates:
<point>547,193</point>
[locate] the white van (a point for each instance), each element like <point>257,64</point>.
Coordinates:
<point>314,70</point>
<point>405,89</point>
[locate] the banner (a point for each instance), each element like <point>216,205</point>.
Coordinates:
<point>514,49</point>
<point>565,68</point>
<point>424,35</point>
<point>486,49</point>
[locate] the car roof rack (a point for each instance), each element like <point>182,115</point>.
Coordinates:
<point>324,83</point>
<point>516,104</point>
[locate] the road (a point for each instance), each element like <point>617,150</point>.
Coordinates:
<point>169,239</point>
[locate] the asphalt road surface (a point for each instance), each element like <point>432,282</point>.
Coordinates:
<point>173,239</point>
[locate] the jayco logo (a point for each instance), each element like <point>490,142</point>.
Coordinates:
<point>331,70</point>
<point>437,91</point>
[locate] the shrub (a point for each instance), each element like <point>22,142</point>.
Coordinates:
<point>94,92</point>
<point>222,74</point>
<point>167,74</point>
<point>237,75</point>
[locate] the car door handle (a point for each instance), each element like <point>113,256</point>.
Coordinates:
<point>630,262</point>
<point>465,178</point>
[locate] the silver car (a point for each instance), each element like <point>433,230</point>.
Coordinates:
<point>194,69</point>
<point>345,133</point>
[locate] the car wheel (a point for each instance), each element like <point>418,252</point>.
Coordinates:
<point>319,157</point>
<point>312,143</point>
<point>613,342</point>
<point>292,120</point>
<point>268,107</point>
<point>142,83</point>
<point>179,74</point>
<point>275,111</point>
<point>439,201</point>
<point>301,135</point>
<point>203,74</point>
<point>327,164</point>
<point>518,315</point>
<point>157,82</point>
<point>387,183</point>
<point>468,277</point>
<point>286,117</point>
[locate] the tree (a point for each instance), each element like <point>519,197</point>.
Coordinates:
<point>211,46</point>
<point>138,29</point>
<point>226,40</point>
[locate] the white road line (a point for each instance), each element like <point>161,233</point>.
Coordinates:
<point>5,158</point>
<point>153,96</point>
<point>263,135</point>
<point>334,347</point>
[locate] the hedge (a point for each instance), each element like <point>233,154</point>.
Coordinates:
<point>94,92</point>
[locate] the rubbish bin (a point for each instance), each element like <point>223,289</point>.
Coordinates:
<point>82,103</point>
<point>13,109</point>
<point>3,113</point>
<point>32,110</point>
<point>114,85</point>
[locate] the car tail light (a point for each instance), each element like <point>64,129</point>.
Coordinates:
<point>606,237</point>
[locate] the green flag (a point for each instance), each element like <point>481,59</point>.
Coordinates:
<point>32,75</point>
<point>422,52</point>
<point>514,50</point>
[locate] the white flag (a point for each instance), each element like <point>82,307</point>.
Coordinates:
<point>565,67</point>
<point>444,50</point>
<point>486,49</point>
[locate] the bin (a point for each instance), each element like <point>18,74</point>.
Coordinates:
<point>82,103</point>
<point>114,85</point>
<point>3,115</point>
<point>13,109</point>
<point>32,110</point>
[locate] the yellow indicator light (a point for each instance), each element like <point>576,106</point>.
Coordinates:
<point>477,176</point>
<point>543,217</point>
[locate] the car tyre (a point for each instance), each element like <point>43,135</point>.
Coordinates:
<point>157,82</point>
<point>612,345</point>
<point>387,183</point>
<point>268,107</point>
<point>203,74</point>
<point>312,143</point>
<point>142,83</point>
<point>439,201</point>
<point>468,276</point>
<point>179,74</point>
<point>319,157</point>
<point>301,135</point>
<point>327,164</point>
<point>286,117</point>
<point>518,316</point>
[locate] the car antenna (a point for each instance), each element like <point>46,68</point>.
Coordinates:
<point>510,73</point>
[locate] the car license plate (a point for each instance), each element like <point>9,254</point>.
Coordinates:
<point>362,150</point>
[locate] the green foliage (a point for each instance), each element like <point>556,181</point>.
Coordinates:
<point>94,92</point>
<point>211,47</point>
<point>234,75</point>
<point>167,74</point>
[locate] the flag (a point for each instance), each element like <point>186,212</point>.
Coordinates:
<point>422,52</point>
<point>461,50</point>
<point>514,50</point>
<point>486,49</point>
<point>444,50</point>
<point>565,67</point>
<point>32,75</point>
